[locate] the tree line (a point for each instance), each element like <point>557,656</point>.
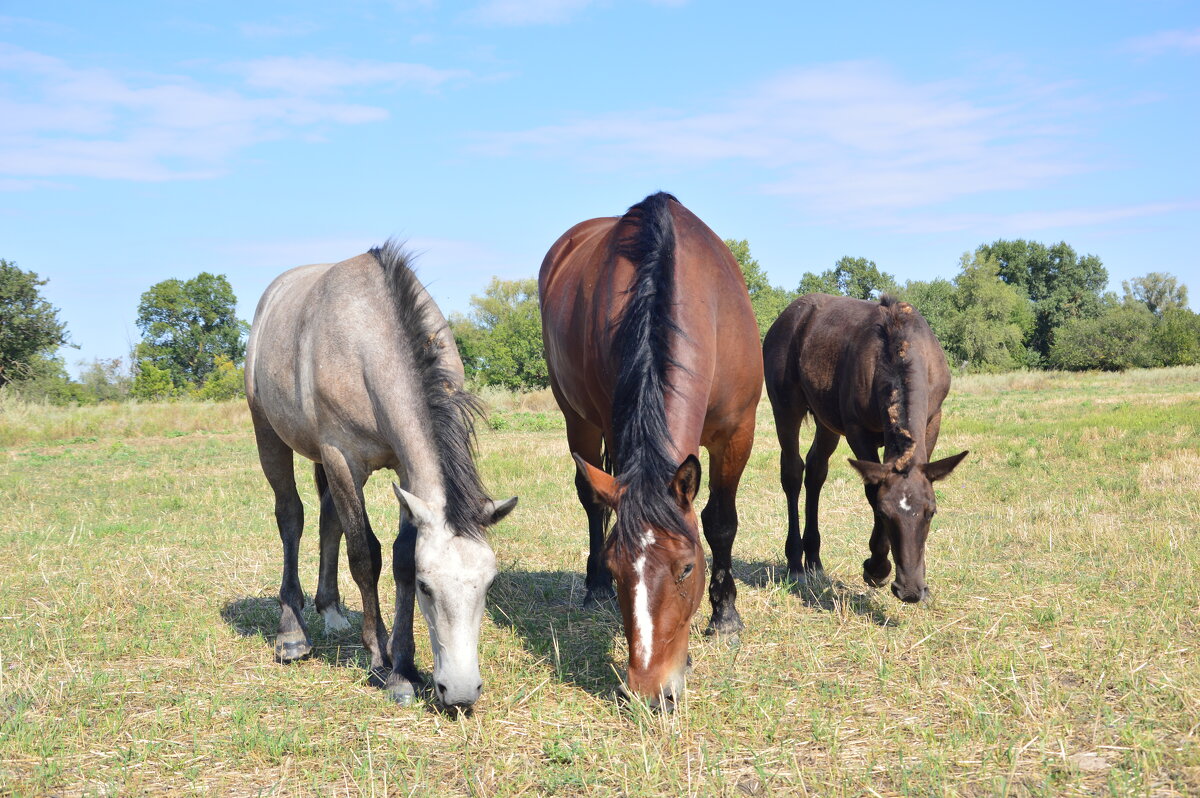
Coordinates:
<point>1012,305</point>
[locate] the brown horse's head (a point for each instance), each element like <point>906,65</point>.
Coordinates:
<point>903,500</point>
<point>659,573</point>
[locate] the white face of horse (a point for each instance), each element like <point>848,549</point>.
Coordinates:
<point>454,573</point>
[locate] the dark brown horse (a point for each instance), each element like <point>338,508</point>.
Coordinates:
<point>875,373</point>
<point>653,352</point>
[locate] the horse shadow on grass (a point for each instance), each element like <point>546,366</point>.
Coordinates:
<point>258,616</point>
<point>544,609</point>
<point>820,592</point>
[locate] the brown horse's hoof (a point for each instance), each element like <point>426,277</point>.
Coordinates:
<point>292,646</point>
<point>876,576</point>
<point>596,596</point>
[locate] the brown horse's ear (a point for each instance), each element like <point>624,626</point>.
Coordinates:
<point>495,511</point>
<point>940,469</point>
<point>686,482</point>
<point>603,486</point>
<point>872,473</point>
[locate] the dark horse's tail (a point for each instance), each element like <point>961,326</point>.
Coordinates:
<point>642,348</point>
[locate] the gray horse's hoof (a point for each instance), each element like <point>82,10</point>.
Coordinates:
<point>292,646</point>
<point>401,690</point>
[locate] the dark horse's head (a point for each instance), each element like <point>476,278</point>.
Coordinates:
<point>904,504</point>
<point>659,571</point>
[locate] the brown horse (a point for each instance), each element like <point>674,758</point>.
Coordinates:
<point>652,350</point>
<point>875,373</point>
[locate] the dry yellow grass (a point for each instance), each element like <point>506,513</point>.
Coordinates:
<point>139,564</point>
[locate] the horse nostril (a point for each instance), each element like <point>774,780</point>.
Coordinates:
<point>441,688</point>
<point>479,688</point>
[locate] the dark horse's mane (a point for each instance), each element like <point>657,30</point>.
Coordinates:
<point>452,412</point>
<point>896,330</point>
<point>645,236</point>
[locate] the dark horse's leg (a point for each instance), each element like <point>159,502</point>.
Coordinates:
<point>292,642</point>
<point>791,478</point>
<point>877,567</point>
<point>403,680</point>
<point>726,461</point>
<point>362,547</point>
<point>824,442</point>
<point>585,440</point>
<point>329,602</point>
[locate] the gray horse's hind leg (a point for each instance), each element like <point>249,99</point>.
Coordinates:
<point>403,681</point>
<point>362,548</point>
<point>292,642</point>
<point>328,597</point>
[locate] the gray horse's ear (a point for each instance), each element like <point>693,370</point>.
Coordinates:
<point>496,511</point>
<point>418,509</point>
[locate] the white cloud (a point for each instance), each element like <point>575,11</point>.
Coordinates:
<point>843,138</point>
<point>1168,41</point>
<point>307,76</point>
<point>527,12</point>
<point>66,121</point>
<point>539,12</point>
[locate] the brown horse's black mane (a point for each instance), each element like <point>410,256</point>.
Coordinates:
<point>452,412</point>
<point>896,331</point>
<point>645,236</point>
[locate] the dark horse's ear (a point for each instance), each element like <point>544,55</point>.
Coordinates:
<point>686,483</point>
<point>603,486</point>
<point>495,511</point>
<point>940,469</point>
<point>872,473</point>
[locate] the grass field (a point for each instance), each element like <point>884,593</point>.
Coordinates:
<point>1060,654</point>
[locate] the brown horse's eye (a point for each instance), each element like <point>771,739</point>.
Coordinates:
<point>687,571</point>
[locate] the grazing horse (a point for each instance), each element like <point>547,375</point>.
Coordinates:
<point>653,352</point>
<point>875,373</point>
<point>353,366</point>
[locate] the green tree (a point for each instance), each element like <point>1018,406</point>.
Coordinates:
<point>935,301</point>
<point>990,318</point>
<point>1176,338</point>
<point>1158,291</point>
<point>1115,340</point>
<point>856,277</point>
<point>500,341</point>
<point>105,380</point>
<point>225,381</point>
<point>187,324</point>
<point>152,383</point>
<point>30,330</point>
<point>767,300</point>
<point>1061,284</point>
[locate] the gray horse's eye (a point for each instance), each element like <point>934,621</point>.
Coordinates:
<point>424,588</point>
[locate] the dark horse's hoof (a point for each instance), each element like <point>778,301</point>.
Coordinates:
<point>598,595</point>
<point>727,627</point>
<point>401,690</point>
<point>292,646</point>
<point>876,575</point>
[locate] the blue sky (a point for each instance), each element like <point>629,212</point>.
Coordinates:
<point>143,141</point>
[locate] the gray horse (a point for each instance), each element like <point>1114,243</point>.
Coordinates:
<point>353,366</point>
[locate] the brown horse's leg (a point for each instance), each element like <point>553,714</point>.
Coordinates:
<point>585,440</point>
<point>877,567</point>
<point>791,478</point>
<point>362,548</point>
<point>726,461</point>
<point>329,600</point>
<point>824,442</point>
<point>292,642</point>
<point>402,682</point>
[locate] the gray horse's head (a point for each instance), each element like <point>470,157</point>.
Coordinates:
<point>453,574</point>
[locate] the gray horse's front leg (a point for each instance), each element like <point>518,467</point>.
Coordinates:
<point>329,600</point>
<point>404,680</point>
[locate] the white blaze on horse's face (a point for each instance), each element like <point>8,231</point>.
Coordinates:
<point>643,623</point>
<point>453,574</point>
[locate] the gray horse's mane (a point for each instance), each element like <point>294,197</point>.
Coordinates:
<point>452,411</point>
